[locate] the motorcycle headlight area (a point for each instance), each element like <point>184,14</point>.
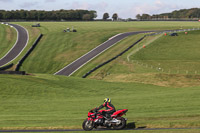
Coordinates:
<point>92,115</point>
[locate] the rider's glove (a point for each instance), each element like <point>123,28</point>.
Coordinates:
<point>103,112</point>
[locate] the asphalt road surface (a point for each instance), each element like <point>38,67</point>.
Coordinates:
<point>74,66</point>
<point>70,130</point>
<point>22,40</point>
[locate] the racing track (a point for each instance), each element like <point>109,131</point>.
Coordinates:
<point>71,130</point>
<point>77,64</point>
<point>74,66</point>
<point>22,40</point>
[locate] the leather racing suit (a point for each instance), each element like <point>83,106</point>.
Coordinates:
<point>110,109</point>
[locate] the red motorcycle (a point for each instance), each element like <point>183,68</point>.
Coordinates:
<point>98,119</point>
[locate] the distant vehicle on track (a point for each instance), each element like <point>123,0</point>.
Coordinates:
<point>174,34</point>
<point>68,30</point>
<point>36,25</point>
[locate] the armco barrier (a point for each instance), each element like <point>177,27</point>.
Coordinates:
<point>13,72</point>
<point>6,67</point>
<point>97,67</point>
<point>28,53</point>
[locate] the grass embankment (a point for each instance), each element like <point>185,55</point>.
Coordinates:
<point>8,37</point>
<point>110,53</point>
<point>57,49</point>
<point>47,101</point>
<point>175,54</point>
<point>166,61</point>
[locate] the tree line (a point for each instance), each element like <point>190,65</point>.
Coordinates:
<point>193,13</point>
<point>41,15</point>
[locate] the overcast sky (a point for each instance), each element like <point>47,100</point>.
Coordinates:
<point>124,8</point>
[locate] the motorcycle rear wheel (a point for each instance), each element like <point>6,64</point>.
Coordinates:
<point>121,125</point>
<point>88,125</point>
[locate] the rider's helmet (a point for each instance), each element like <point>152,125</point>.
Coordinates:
<point>107,100</point>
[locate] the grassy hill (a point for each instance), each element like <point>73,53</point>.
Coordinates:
<point>8,37</point>
<point>57,49</point>
<point>166,61</point>
<point>159,84</point>
<point>47,101</point>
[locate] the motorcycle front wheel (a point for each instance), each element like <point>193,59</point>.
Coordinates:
<point>121,124</point>
<point>88,125</point>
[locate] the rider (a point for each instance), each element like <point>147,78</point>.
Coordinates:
<point>110,109</point>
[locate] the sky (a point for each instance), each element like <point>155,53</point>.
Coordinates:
<point>124,8</point>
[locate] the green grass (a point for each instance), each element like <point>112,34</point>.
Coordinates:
<point>166,61</point>
<point>47,101</point>
<point>155,98</point>
<point>110,53</point>
<point>175,53</point>
<point>57,49</point>
<point>8,38</point>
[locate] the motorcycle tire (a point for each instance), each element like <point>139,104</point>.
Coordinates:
<point>122,124</point>
<point>88,125</point>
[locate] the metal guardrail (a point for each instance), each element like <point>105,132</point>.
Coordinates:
<point>6,67</point>
<point>13,72</point>
<point>28,53</point>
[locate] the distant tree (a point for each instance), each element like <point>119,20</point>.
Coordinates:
<point>115,16</point>
<point>145,16</point>
<point>22,14</point>
<point>129,19</point>
<point>93,14</point>
<point>86,17</point>
<point>1,15</point>
<point>105,16</point>
<point>138,16</point>
<point>7,15</point>
<point>30,15</point>
<point>183,13</point>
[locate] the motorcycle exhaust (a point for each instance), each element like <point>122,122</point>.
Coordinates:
<point>114,121</point>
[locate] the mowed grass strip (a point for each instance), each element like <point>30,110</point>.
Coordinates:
<point>57,49</point>
<point>8,37</point>
<point>47,101</point>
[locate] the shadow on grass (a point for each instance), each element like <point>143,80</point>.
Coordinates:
<point>133,126</point>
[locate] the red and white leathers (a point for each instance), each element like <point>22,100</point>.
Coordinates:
<point>109,108</point>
